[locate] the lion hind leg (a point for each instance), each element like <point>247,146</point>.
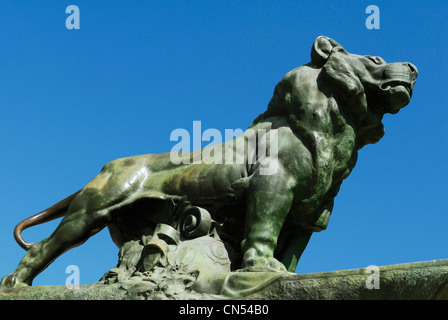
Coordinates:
<point>76,228</point>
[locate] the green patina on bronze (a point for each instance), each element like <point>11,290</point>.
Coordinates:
<point>263,211</point>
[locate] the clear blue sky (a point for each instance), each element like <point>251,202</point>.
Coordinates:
<point>73,100</point>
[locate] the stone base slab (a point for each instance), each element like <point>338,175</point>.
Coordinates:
<point>426,280</point>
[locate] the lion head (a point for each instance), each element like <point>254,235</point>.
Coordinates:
<point>363,87</point>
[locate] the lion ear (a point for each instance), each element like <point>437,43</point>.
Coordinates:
<point>320,51</point>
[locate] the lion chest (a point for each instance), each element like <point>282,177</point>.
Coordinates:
<point>333,157</point>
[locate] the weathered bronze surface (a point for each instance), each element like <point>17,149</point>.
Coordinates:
<point>194,223</point>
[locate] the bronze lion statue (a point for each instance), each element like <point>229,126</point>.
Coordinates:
<point>266,205</point>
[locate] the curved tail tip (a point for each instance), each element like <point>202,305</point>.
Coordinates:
<point>18,237</point>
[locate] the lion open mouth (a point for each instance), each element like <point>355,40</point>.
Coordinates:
<point>397,83</point>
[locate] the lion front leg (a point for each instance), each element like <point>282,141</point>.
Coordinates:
<point>268,204</point>
<point>292,243</point>
<point>294,239</point>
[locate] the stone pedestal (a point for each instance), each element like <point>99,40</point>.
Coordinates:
<point>410,281</point>
<point>426,280</point>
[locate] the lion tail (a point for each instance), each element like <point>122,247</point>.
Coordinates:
<point>56,211</point>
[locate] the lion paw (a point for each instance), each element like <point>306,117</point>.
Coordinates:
<point>11,281</point>
<point>253,263</point>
